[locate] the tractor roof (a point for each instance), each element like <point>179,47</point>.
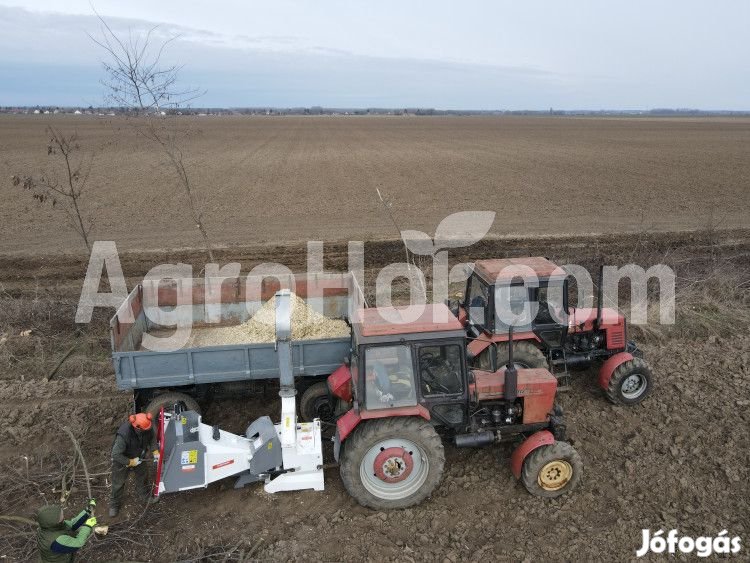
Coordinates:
<point>505,269</point>
<point>383,321</point>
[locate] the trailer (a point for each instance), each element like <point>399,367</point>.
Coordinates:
<point>191,374</point>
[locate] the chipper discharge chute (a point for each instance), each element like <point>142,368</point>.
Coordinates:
<point>285,457</point>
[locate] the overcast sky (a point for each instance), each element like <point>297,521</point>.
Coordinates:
<point>471,54</point>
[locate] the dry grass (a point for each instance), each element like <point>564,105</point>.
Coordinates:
<point>37,328</point>
<point>717,305</point>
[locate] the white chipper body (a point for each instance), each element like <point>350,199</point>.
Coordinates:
<point>287,456</point>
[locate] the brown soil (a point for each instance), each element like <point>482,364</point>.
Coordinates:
<point>679,460</point>
<point>269,179</point>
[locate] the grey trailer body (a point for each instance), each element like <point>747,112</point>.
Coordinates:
<point>136,368</point>
<point>223,364</point>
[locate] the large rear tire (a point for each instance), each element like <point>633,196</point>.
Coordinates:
<point>168,401</point>
<point>630,383</point>
<point>525,356</point>
<point>392,462</point>
<point>552,470</point>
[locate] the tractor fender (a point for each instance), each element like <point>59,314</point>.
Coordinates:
<point>536,440</point>
<point>479,345</point>
<point>349,420</point>
<point>609,367</point>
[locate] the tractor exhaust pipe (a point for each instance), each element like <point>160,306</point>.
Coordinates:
<point>599,298</point>
<point>475,440</point>
<point>511,374</point>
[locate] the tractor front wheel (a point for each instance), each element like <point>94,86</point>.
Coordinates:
<point>552,470</point>
<point>392,462</point>
<point>525,356</point>
<point>630,383</point>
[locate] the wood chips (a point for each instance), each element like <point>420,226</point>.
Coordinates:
<point>307,324</point>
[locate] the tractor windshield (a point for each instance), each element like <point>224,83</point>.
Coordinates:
<point>524,306</point>
<point>389,377</point>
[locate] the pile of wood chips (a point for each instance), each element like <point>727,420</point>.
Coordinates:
<point>307,324</point>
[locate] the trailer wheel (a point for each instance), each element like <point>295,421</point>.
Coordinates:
<point>168,400</point>
<point>392,462</point>
<point>630,383</point>
<point>552,470</point>
<point>525,356</point>
<point>315,403</point>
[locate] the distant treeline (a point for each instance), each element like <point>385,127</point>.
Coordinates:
<point>318,110</point>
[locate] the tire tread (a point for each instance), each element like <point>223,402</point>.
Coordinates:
<point>543,454</point>
<point>620,373</point>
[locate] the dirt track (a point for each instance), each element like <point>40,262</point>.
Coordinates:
<point>301,178</point>
<point>679,460</point>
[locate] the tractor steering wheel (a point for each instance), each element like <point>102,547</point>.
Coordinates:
<point>426,360</point>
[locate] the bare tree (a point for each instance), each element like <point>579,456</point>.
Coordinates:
<point>136,79</point>
<point>63,189</point>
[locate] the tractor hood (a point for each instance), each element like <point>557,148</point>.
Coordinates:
<point>587,317</point>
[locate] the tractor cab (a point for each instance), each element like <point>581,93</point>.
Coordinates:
<point>530,294</point>
<point>410,359</point>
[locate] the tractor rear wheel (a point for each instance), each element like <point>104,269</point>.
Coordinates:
<point>525,355</point>
<point>552,470</point>
<point>169,400</point>
<point>630,383</point>
<point>392,462</point>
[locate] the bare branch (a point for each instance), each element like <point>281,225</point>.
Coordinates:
<point>136,79</point>
<point>45,187</point>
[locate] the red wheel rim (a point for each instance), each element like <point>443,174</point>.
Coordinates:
<point>393,465</point>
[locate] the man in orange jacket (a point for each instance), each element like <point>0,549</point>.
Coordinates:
<point>133,442</point>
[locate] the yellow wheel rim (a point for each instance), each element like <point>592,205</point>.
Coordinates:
<point>555,475</point>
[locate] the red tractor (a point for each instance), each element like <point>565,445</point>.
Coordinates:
<point>559,337</point>
<point>408,383</point>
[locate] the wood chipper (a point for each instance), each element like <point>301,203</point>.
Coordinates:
<point>285,456</point>
<point>559,337</point>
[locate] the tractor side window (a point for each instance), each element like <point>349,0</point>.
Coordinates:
<point>440,369</point>
<point>479,295</point>
<point>389,377</point>
<point>552,302</point>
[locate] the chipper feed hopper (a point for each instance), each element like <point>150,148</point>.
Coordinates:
<point>286,456</point>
